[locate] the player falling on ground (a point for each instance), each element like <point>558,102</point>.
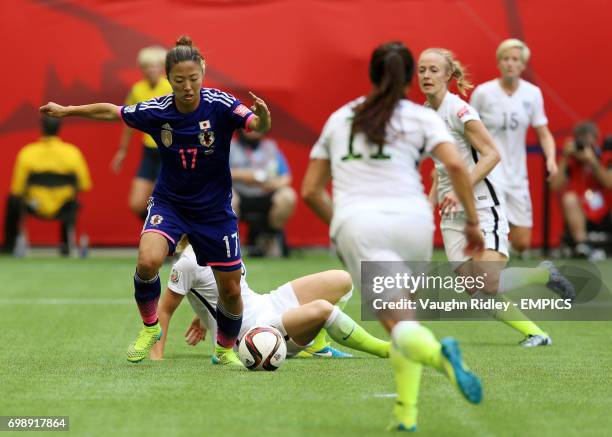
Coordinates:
<point>437,69</point>
<point>192,127</point>
<point>370,149</point>
<point>508,106</point>
<point>299,309</point>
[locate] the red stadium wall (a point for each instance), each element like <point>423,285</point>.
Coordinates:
<point>305,58</point>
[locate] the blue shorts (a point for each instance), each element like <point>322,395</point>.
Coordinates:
<point>216,244</point>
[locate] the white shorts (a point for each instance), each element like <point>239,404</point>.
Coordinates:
<point>268,310</point>
<point>517,201</point>
<point>377,236</point>
<point>493,224</point>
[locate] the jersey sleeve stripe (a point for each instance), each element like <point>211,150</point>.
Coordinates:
<point>211,100</point>
<point>220,95</point>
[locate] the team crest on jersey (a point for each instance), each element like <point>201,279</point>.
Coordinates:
<point>174,276</point>
<point>463,111</point>
<point>166,135</point>
<point>207,138</point>
<point>156,220</point>
<point>527,106</point>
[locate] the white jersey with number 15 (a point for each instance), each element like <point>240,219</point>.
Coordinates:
<point>507,117</point>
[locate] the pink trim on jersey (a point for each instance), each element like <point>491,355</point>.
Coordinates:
<point>246,123</point>
<point>157,231</point>
<point>120,113</point>
<point>231,263</point>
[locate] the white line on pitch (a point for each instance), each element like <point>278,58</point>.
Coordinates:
<point>383,395</point>
<point>66,301</point>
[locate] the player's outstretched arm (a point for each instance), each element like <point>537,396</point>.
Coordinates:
<point>262,122</point>
<point>94,111</point>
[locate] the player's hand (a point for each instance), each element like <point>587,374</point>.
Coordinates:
<point>118,159</point>
<point>54,110</point>
<point>551,167</point>
<point>260,109</point>
<point>475,240</point>
<point>195,332</point>
<point>449,204</point>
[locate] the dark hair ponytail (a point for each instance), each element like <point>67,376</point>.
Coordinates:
<point>391,69</point>
<point>183,51</point>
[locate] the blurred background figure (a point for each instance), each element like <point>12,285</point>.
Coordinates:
<point>585,183</point>
<point>508,106</point>
<point>47,177</point>
<point>263,196</point>
<point>151,61</point>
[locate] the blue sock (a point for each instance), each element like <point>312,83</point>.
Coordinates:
<point>146,293</point>
<point>228,327</point>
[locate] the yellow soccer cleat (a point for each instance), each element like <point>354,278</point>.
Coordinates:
<point>140,348</point>
<point>226,356</point>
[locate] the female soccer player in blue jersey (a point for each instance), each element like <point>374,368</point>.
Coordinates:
<point>192,127</point>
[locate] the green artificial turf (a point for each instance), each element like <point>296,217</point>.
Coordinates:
<point>65,325</point>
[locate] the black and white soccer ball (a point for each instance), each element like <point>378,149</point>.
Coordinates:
<point>262,348</point>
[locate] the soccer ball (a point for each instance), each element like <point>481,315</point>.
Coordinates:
<point>262,348</point>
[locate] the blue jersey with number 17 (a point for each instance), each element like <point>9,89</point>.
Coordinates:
<point>194,148</point>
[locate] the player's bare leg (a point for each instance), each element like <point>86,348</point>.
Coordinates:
<point>152,251</point>
<point>302,324</point>
<point>229,316</point>
<point>336,287</point>
<point>520,237</point>
<point>499,279</point>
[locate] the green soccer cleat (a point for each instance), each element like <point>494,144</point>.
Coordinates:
<point>459,375</point>
<point>140,348</point>
<point>404,420</point>
<point>226,356</point>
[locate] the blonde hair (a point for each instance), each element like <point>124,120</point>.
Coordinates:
<point>152,55</point>
<point>457,70</point>
<point>513,43</point>
<point>182,244</point>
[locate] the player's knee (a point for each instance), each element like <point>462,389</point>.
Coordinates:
<point>343,285</point>
<point>322,309</point>
<point>148,266</point>
<point>230,291</point>
<point>521,244</point>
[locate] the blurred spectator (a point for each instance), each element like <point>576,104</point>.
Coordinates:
<point>585,182</point>
<point>151,61</point>
<point>48,175</point>
<point>263,196</point>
